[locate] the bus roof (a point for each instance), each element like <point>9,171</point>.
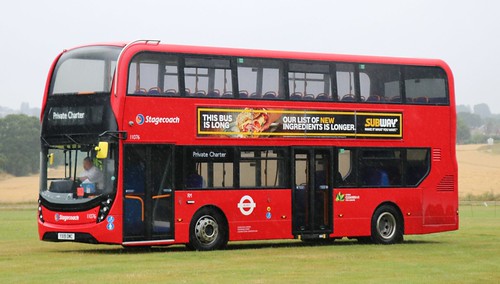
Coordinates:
<point>156,45</point>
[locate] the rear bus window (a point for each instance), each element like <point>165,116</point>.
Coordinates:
<point>425,85</point>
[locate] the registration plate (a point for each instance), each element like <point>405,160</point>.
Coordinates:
<point>66,236</point>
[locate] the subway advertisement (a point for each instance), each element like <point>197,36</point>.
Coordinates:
<point>270,122</point>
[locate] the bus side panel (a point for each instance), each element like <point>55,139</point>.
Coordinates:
<point>440,198</point>
<point>353,209</point>
<point>251,214</point>
<point>440,211</point>
<point>440,187</point>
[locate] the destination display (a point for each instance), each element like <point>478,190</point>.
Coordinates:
<point>68,115</point>
<point>269,122</point>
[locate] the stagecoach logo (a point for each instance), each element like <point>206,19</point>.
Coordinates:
<point>246,205</point>
<point>59,217</point>
<point>139,119</point>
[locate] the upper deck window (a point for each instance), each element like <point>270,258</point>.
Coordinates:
<point>260,78</point>
<point>383,85</point>
<point>154,74</point>
<point>85,70</point>
<point>425,85</point>
<point>352,85</point>
<point>209,77</point>
<point>309,81</point>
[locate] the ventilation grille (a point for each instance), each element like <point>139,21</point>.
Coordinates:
<point>436,154</point>
<point>447,183</point>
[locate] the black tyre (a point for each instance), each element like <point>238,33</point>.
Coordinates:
<point>208,230</point>
<point>387,225</point>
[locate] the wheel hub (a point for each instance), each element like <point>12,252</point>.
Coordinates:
<point>206,229</point>
<point>386,225</point>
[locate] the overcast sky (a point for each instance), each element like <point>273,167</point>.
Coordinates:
<point>465,34</point>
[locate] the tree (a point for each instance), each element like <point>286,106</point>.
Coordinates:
<point>482,110</point>
<point>471,120</point>
<point>463,132</point>
<point>19,144</point>
<point>492,126</point>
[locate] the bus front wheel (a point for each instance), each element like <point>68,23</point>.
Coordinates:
<point>387,225</point>
<point>208,230</point>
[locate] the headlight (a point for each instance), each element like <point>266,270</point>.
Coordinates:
<point>104,209</point>
<point>40,215</point>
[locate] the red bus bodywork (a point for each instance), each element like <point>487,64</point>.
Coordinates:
<point>430,207</point>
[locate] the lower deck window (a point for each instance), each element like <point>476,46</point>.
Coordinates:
<point>215,174</point>
<point>262,168</point>
<point>234,168</point>
<point>258,167</point>
<point>375,167</point>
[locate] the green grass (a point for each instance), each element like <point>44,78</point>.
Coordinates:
<point>470,255</point>
<point>485,196</point>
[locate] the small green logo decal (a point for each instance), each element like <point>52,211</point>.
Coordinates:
<point>340,197</point>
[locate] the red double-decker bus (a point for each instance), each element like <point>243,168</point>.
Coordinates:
<point>152,144</point>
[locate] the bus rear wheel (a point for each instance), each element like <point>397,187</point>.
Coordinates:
<point>387,225</point>
<point>208,230</point>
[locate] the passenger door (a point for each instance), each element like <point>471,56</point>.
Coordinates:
<point>148,192</point>
<point>312,171</point>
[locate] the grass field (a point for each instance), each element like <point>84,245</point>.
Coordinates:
<point>470,255</point>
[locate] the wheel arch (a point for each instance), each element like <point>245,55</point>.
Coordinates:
<point>218,210</point>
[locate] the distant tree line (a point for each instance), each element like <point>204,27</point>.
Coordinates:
<point>19,144</point>
<point>475,127</point>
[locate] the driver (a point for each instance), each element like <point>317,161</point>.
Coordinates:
<point>91,173</point>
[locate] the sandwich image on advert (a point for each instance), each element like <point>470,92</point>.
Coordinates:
<point>252,120</point>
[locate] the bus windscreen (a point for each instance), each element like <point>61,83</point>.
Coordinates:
<point>85,70</point>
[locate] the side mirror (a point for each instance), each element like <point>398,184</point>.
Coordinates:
<point>102,150</point>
